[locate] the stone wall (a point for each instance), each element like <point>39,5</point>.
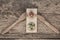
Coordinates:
<point>10,10</point>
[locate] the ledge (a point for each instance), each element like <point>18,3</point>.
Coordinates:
<point>37,36</point>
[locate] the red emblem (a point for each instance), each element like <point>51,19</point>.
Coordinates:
<point>31,14</point>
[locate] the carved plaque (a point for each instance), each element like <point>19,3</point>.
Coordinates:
<point>31,20</point>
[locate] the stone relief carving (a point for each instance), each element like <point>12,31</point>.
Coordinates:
<point>12,10</point>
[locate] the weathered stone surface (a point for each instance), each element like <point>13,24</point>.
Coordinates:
<point>48,6</point>
<point>10,10</point>
<point>29,39</point>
